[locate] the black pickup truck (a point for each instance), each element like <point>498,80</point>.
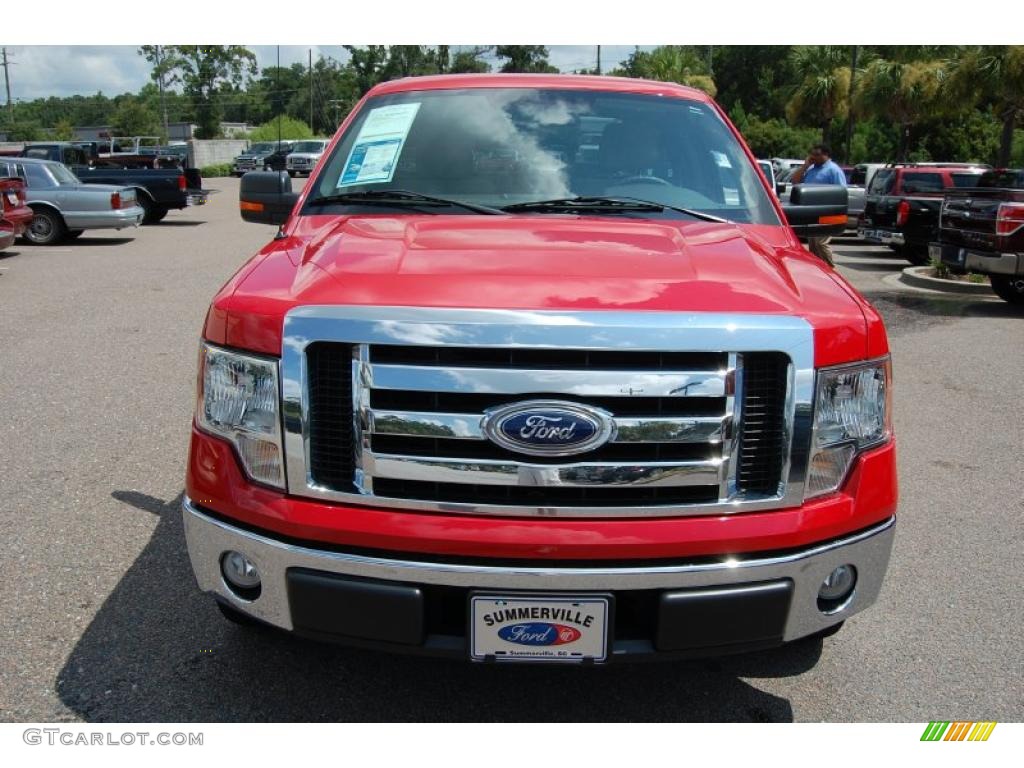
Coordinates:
<point>982,230</point>
<point>158,190</point>
<point>901,208</point>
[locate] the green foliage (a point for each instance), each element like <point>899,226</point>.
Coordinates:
<point>681,64</point>
<point>203,71</point>
<point>215,171</point>
<point>290,128</point>
<point>63,130</point>
<point>134,118</point>
<point>822,91</point>
<point>524,58</point>
<point>773,137</point>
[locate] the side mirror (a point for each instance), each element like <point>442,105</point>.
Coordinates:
<point>817,210</point>
<point>266,197</point>
<point>780,187</point>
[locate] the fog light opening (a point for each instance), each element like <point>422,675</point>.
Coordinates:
<point>240,575</point>
<point>836,590</point>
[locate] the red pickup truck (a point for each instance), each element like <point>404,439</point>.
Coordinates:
<point>535,369</point>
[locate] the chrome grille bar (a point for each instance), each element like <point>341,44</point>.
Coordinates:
<point>512,381</point>
<point>492,472</point>
<point>654,429</point>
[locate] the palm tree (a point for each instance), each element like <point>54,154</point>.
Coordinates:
<point>823,92</point>
<point>671,64</point>
<point>992,75</point>
<point>905,92</point>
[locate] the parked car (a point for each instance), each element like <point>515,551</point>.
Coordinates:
<point>476,358</point>
<point>902,205</point>
<point>263,156</point>
<point>786,164</point>
<point>159,189</point>
<point>64,207</point>
<point>858,180</point>
<point>13,205</point>
<point>768,171</point>
<point>981,229</point>
<point>305,155</point>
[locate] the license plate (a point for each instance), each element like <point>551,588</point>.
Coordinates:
<point>538,628</point>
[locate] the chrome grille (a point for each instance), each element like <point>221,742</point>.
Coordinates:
<point>373,419</point>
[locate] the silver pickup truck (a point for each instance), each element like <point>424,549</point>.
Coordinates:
<point>64,207</point>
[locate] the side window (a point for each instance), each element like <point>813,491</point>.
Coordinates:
<point>961,180</point>
<point>37,176</point>
<point>881,184</point>
<point>858,176</point>
<point>922,182</point>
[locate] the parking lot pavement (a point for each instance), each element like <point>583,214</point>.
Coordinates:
<point>102,620</point>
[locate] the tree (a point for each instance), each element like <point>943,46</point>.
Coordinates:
<point>63,130</point>
<point>367,63</point>
<point>904,92</point>
<point>470,61</point>
<point>202,70</point>
<point>822,92</point>
<point>133,118</point>
<point>524,58</point>
<point>993,75</point>
<point>671,64</point>
<point>755,76</point>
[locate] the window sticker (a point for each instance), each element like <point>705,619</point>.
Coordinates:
<point>375,152</point>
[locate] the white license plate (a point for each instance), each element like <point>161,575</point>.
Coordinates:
<point>538,628</point>
<point>876,234</point>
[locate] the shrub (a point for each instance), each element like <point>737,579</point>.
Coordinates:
<point>290,128</point>
<point>215,171</point>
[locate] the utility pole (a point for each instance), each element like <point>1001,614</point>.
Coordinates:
<point>277,87</point>
<point>160,85</point>
<point>599,59</point>
<point>311,90</point>
<point>7,81</point>
<point>849,113</point>
<point>336,103</point>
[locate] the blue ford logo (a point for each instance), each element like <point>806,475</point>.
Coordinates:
<point>548,427</point>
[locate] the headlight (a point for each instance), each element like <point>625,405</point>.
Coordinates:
<point>852,412</point>
<point>238,400</point>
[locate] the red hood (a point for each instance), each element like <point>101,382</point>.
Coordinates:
<point>537,262</point>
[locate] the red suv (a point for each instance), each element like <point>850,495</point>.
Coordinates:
<point>902,205</point>
<point>536,369</point>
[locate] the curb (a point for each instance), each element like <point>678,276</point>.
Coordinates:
<point>914,276</point>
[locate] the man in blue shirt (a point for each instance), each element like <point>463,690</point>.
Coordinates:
<point>819,169</point>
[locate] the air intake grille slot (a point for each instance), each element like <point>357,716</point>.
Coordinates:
<point>763,431</point>
<point>331,432</point>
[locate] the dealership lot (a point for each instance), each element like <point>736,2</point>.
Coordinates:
<point>102,620</point>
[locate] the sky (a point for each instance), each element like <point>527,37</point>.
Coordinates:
<point>65,70</point>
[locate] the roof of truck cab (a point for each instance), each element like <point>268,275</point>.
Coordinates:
<point>573,82</point>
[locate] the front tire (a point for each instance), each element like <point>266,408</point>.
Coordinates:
<point>1008,288</point>
<point>47,227</point>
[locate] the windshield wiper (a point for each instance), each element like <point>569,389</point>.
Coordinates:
<point>607,204</point>
<point>396,197</point>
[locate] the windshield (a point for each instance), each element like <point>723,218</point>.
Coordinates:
<point>263,146</point>
<point>62,174</point>
<point>309,146</point>
<point>505,146</point>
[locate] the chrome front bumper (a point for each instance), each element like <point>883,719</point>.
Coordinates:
<point>208,539</point>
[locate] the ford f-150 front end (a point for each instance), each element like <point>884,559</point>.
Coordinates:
<point>489,395</point>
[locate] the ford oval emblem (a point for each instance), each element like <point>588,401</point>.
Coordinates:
<point>539,633</point>
<point>548,427</point>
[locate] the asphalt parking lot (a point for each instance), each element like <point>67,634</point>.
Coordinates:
<point>102,620</point>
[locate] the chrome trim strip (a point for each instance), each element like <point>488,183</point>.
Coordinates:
<point>600,330</point>
<point>731,446</point>
<point>466,426</point>
<point>515,381</point>
<point>868,551</point>
<point>511,473</point>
